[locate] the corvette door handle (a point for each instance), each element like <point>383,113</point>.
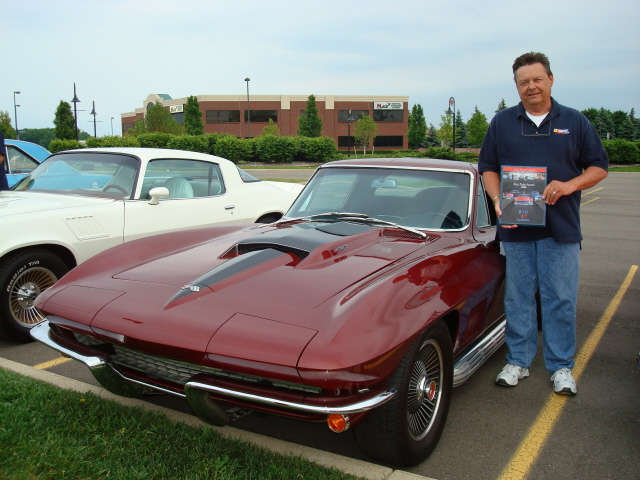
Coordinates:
<point>229,207</point>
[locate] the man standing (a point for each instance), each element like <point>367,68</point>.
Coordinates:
<point>540,132</point>
<point>4,185</point>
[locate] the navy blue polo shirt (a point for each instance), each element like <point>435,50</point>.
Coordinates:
<point>568,144</point>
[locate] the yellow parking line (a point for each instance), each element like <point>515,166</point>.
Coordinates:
<point>52,363</point>
<point>592,191</point>
<point>520,464</point>
<point>592,200</point>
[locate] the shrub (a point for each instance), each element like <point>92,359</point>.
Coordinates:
<point>622,151</point>
<point>211,139</point>
<point>467,157</point>
<point>318,149</point>
<point>440,152</point>
<point>233,149</point>
<point>154,140</point>
<point>191,143</point>
<point>275,149</point>
<point>58,145</point>
<point>111,141</point>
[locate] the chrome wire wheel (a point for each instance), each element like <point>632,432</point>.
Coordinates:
<point>24,290</point>
<point>425,390</point>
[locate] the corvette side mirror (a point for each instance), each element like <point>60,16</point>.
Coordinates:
<point>157,193</point>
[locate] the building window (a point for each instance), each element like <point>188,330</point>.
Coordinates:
<point>343,141</point>
<point>262,116</point>
<point>223,116</point>
<point>126,127</point>
<point>179,117</point>
<point>343,115</point>
<point>387,115</point>
<point>388,141</point>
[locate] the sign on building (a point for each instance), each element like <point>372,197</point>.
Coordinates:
<point>176,108</point>
<point>388,105</point>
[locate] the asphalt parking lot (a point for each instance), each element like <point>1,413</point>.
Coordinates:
<point>524,432</point>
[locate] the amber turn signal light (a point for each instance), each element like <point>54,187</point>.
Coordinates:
<point>338,423</point>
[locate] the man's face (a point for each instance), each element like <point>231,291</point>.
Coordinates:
<point>534,87</point>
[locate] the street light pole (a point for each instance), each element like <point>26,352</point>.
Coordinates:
<point>112,126</point>
<point>75,110</point>
<point>349,120</point>
<point>248,109</point>
<point>452,103</point>
<point>15,111</point>
<point>93,112</point>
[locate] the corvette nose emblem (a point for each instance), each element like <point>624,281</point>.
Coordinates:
<point>193,288</point>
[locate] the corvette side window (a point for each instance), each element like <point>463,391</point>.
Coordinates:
<point>483,218</point>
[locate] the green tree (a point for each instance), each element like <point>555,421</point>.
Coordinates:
<point>624,128</point>
<point>591,114</point>
<point>445,132</point>
<point>417,127</point>
<point>64,122</point>
<point>462,141</point>
<point>432,138</point>
<point>501,106</point>
<point>310,123</point>
<point>41,136</point>
<point>5,125</point>
<point>604,124</point>
<point>193,117</point>
<point>271,129</point>
<point>365,132</point>
<point>477,127</point>
<point>636,124</point>
<point>158,119</point>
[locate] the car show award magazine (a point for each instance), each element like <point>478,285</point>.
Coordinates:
<point>521,195</point>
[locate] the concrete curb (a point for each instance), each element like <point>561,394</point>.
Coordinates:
<point>351,466</point>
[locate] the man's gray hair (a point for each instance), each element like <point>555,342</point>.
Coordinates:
<point>529,59</point>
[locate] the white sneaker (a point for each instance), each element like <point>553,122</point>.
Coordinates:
<point>563,382</point>
<point>510,375</point>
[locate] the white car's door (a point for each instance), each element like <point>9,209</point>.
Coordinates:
<point>197,198</point>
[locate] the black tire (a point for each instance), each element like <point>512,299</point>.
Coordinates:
<point>23,276</point>
<point>405,430</point>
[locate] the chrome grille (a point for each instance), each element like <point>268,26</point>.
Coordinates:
<point>181,372</point>
<point>406,234</point>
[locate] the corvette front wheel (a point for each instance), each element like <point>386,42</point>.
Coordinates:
<point>23,276</point>
<point>405,430</point>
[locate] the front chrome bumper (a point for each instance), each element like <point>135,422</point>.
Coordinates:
<point>113,379</point>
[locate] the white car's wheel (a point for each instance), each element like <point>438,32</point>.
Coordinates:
<point>23,276</point>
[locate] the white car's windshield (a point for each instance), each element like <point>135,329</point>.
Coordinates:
<point>427,199</point>
<point>95,174</point>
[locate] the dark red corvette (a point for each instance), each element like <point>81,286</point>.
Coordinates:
<point>379,291</point>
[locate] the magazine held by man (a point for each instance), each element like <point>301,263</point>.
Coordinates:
<point>521,195</point>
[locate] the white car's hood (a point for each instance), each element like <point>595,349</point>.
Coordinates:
<point>19,203</point>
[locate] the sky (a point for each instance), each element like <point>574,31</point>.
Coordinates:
<point>117,52</point>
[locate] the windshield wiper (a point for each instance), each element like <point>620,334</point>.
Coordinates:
<point>355,217</point>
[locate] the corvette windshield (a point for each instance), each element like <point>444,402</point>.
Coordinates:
<point>95,174</point>
<point>426,199</point>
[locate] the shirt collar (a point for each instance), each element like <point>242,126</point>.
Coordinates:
<point>554,112</point>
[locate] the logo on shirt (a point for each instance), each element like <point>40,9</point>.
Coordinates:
<point>559,131</point>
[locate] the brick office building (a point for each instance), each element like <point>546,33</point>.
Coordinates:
<point>228,114</point>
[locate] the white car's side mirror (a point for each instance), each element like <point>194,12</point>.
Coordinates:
<point>157,193</point>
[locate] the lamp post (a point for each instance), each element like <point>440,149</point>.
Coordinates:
<point>75,110</point>
<point>93,112</point>
<point>15,111</point>
<point>349,120</point>
<point>248,109</point>
<point>452,103</point>
<point>112,126</point>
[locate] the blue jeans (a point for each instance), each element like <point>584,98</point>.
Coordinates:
<point>553,268</point>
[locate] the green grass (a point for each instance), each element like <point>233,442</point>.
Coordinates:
<point>631,168</point>
<point>50,433</point>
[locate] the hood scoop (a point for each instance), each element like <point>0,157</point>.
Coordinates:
<point>299,240</point>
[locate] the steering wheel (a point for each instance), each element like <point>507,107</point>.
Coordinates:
<point>117,187</point>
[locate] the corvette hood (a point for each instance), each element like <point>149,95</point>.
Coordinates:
<point>20,203</point>
<point>299,266</point>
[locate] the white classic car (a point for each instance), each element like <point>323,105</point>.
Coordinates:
<point>80,202</point>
